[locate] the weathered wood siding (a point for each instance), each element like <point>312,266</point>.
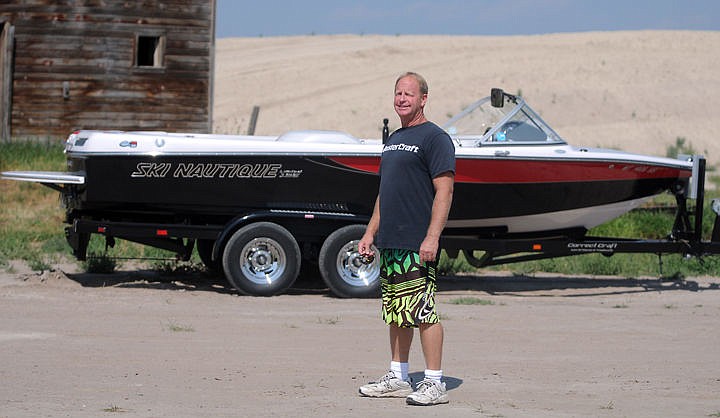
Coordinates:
<point>6,52</point>
<point>76,67</point>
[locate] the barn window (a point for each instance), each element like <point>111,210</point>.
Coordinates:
<point>149,51</point>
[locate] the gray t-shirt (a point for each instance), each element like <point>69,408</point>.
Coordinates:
<point>411,159</point>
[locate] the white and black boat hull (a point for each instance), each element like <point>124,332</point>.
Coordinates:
<point>492,196</point>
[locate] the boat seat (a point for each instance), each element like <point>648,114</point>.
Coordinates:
<point>322,137</point>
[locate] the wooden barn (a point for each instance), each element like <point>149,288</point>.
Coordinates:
<point>105,64</point>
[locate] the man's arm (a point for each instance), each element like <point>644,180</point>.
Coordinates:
<point>443,185</point>
<point>365,244</point>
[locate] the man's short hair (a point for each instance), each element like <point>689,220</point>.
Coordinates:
<point>420,79</point>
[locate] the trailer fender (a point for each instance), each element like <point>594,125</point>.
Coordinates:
<point>229,229</point>
<point>276,216</point>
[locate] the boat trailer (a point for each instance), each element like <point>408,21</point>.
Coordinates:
<point>685,238</point>
<point>499,248</point>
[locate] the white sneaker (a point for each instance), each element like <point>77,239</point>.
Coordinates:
<point>387,386</point>
<point>429,392</point>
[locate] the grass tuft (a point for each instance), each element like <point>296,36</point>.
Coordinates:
<point>329,321</point>
<point>175,327</point>
<point>114,408</point>
<point>609,406</point>
<point>99,263</point>
<point>178,267</point>
<point>471,300</point>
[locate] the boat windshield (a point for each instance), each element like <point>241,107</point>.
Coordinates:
<point>514,122</point>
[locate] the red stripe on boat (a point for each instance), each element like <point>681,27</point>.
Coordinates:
<point>535,171</point>
<point>538,171</point>
<point>366,164</point>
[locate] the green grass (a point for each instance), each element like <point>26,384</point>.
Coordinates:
<point>175,327</point>
<point>470,300</point>
<point>32,219</point>
<point>99,263</point>
<point>38,156</point>
<point>29,214</point>
<point>114,408</point>
<point>447,265</point>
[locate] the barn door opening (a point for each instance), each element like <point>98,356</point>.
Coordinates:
<point>7,35</point>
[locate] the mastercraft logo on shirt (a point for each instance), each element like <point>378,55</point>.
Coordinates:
<point>401,147</point>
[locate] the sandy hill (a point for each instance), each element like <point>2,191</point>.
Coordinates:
<point>635,91</point>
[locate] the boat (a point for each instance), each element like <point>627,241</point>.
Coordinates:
<point>530,180</point>
<point>515,176</point>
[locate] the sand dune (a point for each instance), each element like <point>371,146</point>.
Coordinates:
<point>635,91</point>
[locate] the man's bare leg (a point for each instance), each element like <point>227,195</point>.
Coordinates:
<point>431,338</point>
<point>431,391</point>
<point>394,383</point>
<point>400,341</point>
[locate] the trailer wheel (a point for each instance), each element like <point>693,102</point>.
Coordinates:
<point>205,248</point>
<point>261,259</point>
<point>341,268</point>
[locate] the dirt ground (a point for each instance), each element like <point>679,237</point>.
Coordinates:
<point>137,343</point>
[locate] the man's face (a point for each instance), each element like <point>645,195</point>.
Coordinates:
<point>409,102</point>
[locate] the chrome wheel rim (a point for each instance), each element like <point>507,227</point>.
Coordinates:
<point>262,260</point>
<point>351,269</point>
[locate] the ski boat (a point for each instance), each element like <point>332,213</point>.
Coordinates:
<point>514,174</point>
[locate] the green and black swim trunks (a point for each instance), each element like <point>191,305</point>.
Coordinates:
<point>408,289</point>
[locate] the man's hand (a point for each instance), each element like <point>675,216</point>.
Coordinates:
<point>428,249</point>
<point>365,245</point>
<point>443,185</point>
<point>366,242</point>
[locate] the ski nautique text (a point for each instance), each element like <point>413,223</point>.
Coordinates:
<point>213,171</point>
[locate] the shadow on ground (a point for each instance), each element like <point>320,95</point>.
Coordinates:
<point>187,280</point>
<point>450,382</point>
<point>309,282</point>
<point>587,286</point>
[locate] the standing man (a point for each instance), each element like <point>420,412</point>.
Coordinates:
<point>417,172</point>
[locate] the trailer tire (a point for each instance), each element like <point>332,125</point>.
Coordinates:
<point>261,259</point>
<point>341,268</point>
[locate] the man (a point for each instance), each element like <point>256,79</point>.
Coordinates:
<point>417,171</point>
